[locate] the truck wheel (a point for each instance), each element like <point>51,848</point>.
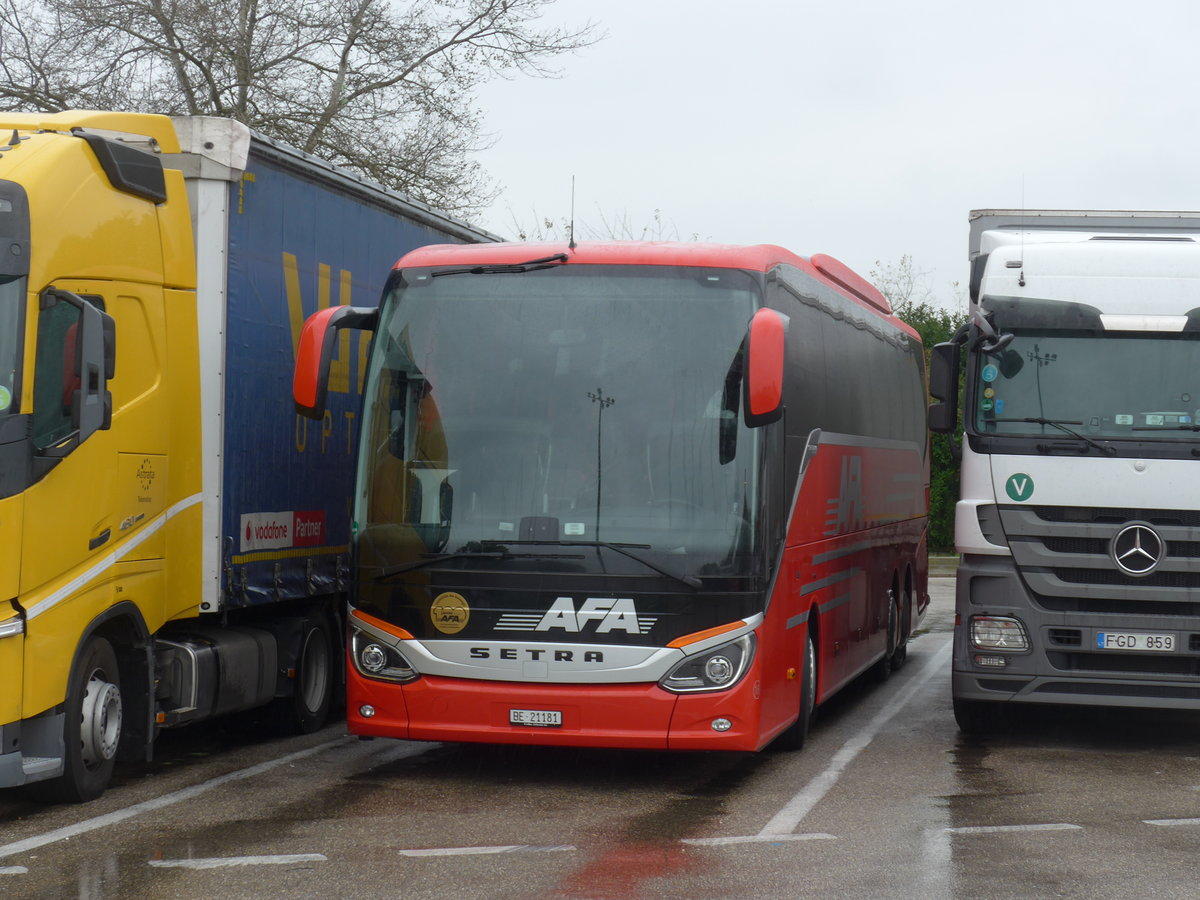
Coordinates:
<point>307,709</point>
<point>978,716</point>
<point>92,729</point>
<point>794,737</point>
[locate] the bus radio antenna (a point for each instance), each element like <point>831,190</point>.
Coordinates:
<point>571,228</point>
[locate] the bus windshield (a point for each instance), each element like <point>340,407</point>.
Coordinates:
<point>543,415</point>
<point>1098,384</point>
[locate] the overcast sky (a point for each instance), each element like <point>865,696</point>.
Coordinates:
<point>865,129</point>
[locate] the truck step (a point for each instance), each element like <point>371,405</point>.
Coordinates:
<point>41,765</point>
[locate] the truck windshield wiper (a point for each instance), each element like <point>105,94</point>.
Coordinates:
<point>1061,425</point>
<point>624,549</point>
<point>546,262</point>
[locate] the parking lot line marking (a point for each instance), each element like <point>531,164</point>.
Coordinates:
<point>481,851</point>
<point>1004,829</point>
<point>221,862</point>
<point>13,870</point>
<point>1171,821</point>
<point>759,839</point>
<point>792,814</point>
<point>120,815</point>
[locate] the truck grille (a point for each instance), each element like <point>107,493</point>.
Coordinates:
<point>1121,664</point>
<point>1063,555</point>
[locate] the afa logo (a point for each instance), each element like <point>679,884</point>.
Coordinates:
<point>450,613</point>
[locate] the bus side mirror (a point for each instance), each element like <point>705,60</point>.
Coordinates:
<point>765,356</point>
<point>943,386</point>
<point>310,382</point>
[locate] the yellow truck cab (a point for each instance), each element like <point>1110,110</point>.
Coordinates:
<point>173,538</point>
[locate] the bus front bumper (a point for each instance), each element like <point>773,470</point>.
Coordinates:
<point>633,716</point>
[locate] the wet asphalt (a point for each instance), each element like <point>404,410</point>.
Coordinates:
<point>886,801</point>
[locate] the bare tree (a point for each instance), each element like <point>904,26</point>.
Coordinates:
<point>385,87</point>
<point>611,227</point>
<point>902,283</point>
<point>908,290</point>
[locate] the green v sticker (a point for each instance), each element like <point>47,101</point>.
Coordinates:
<point>1019,487</point>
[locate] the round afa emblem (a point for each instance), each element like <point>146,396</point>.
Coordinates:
<point>450,612</point>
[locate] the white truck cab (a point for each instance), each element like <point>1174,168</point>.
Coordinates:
<point>1079,519</point>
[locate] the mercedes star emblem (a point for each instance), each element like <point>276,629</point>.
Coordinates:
<point>1137,549</point>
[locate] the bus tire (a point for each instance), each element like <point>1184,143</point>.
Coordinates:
<point>882,669</point>
<point>795,735</point>
<point>901,652</point>
<point>978,716</point>
<point>92,729</point>
<point>308,708</point>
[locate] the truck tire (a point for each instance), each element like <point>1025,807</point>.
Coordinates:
<point>92,729</point>
<point>795,735</point>
<point>308,707</point>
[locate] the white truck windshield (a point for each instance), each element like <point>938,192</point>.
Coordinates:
<point>1134,385</point>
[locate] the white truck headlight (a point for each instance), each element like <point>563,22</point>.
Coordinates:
<point>999,634</point>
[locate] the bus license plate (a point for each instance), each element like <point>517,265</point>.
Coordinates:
<point>1135,640</point>
<point>539,718</point>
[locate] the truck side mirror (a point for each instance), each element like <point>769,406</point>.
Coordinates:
<point>765,356</point>
<point>310,382</point>
<point>943,386</point>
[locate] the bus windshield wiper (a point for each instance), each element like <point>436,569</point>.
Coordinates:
<point>1194,426</point>
<point>546,262</point>
<point>1062,426</point>
<point>624,549</point>
<point>429,559</point>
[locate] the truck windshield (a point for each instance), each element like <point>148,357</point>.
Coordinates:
<point>12,297</point>
<point>1097,384</point>
<point>538,418</point>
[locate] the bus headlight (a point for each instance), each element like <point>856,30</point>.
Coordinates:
<point>375,659</point>
<point>711,670</point>
<point>998,633</point>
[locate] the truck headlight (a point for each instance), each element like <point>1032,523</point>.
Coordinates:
<point>375,659</point>
<point>711,670</point>
<point>999,633</point>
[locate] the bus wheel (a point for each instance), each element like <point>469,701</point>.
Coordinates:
<point>92,729</point>
<point>796,734</point>
<point>883,667</point>
<point>900,654</point>
<point>978,716</point>
<point>308,707</point>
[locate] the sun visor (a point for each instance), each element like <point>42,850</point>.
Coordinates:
<point>1008,313</point>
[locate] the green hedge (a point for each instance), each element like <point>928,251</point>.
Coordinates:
<point>935,325</point>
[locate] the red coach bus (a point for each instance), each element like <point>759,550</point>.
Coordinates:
<point>627,494</point>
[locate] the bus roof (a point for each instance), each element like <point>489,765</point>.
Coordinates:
<point>756,257</point>
<point>759,257</point>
